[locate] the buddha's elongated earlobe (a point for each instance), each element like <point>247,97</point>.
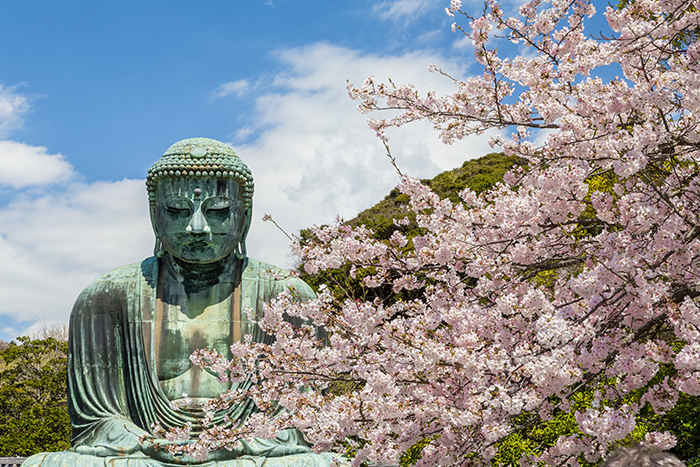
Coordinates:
<point>241,251</point>
<point>158,250</point>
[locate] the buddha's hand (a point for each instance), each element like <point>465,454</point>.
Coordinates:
<point>112,438</point>
<point>158,449</point>
<point>106,451</point>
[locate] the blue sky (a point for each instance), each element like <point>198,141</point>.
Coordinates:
<point>112,83</point>
<point>92,93</point>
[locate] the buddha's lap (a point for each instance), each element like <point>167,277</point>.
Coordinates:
<point>73,459</point>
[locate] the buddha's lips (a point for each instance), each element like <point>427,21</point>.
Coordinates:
<point>199,243</point>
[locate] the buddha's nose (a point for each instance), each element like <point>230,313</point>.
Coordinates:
<point>198,223</point>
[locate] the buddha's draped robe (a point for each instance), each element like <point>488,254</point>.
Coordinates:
<point>113,390</point>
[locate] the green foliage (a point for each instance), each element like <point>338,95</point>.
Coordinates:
<point>683,420</point>
<point>413,454</point>
<point>33,404</point>
<point>476,174</point>
<point>536,434</point>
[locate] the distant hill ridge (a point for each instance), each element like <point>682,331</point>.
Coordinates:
<point>476,174</point>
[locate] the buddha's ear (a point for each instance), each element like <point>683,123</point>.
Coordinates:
<point>241,251</point>
<point>158,250</point>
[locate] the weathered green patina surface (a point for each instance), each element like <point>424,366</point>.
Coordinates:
<point>134,328</point>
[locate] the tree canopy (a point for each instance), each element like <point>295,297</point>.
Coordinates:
<point>33,408</point>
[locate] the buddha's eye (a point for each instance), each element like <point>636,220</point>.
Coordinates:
<point>219,206</point>
<point>178,211</point>
<point>179,207</point>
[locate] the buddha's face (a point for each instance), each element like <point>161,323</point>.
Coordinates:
<point>199,220</point>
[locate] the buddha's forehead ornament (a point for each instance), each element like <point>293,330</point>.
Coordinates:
<point>201,158</point>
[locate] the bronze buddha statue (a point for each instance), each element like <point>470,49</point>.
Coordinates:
<point>133,329</point>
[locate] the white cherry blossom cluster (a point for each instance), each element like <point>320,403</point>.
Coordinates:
<point>580,272</point>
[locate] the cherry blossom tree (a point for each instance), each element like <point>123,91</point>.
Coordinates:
<point>578,274</point>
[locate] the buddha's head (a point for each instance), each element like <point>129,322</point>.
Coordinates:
<point>201,195</point>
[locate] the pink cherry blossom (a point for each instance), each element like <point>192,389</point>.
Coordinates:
<point>569,276</point>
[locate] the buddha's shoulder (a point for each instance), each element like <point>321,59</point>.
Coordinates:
<point>260,270</point>
<point>147,267</point>
<point>125,275</point>
<point>255,267</point>
<point>276,277</point>
<point>257,271</point>
<point>111,291</point>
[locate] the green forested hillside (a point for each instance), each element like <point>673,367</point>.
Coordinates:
<point>476,174</point>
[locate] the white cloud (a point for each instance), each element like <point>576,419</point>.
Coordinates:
<point>24,165</point>
<point>53,245</point>
<point>429,36</point>
<point>462,43</point>
<point>13,106</point>
<point>400,9</point>
<point>232,87</point>
<point>312,156</point>
<point>315,157</point>
<point>43,329</point>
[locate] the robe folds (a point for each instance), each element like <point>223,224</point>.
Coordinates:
<point>113,390</point>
